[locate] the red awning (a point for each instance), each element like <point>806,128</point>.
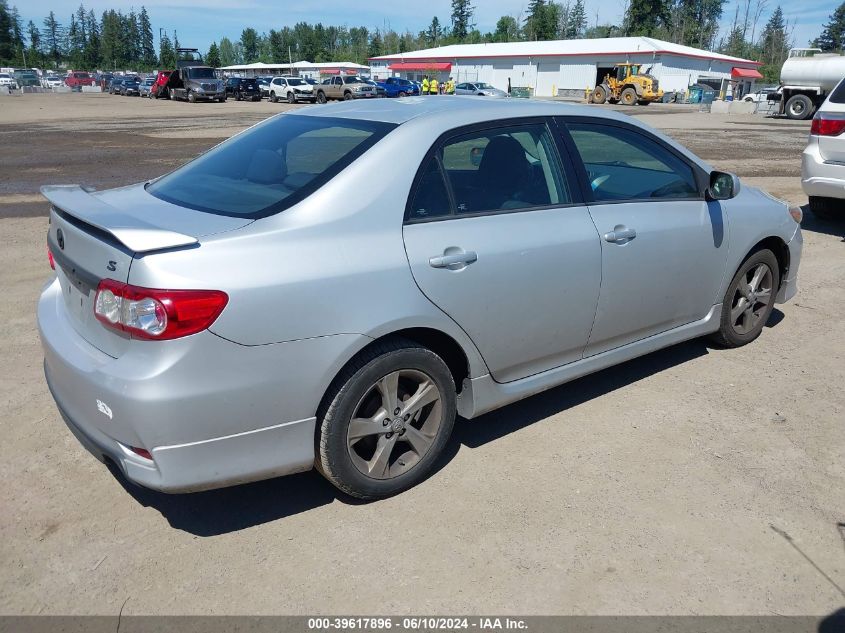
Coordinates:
<point>745,73</point>
<point>421,66</point>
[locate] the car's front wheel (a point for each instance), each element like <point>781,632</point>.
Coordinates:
<point>321,97</point>
<point>291,98</point>
<point>749,300</point>
<point>386,420</point>
<point>272,97</point>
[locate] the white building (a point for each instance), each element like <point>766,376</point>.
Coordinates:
<point>564,67</point>
<point>312,70</point>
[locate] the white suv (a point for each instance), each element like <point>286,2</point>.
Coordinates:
<point>823,160</point>
<point>7,80</point>
<point>292,89</point>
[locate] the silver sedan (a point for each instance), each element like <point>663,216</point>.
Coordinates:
<point>246,316</point>
<point>480,89</point>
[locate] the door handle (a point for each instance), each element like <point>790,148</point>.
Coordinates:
<point>453,260</point>
<point>620,234</point>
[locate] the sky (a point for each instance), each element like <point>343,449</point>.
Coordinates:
<point>199,22</point>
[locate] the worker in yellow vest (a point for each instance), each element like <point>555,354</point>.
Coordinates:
<point>425,85</point>
<point>450,87</point>
<point>432,86</point>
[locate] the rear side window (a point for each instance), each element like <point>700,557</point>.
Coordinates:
<point>431,199</point>
<point>623,164</point>
<point>269,167</point>
<point>838,94</point>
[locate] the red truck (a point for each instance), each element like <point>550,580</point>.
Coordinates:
<point>159,88</point>
<point>75,80</point>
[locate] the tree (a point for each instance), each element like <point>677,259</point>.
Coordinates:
<point>645,16</point>
<point>228,54</point>
<point>92,45</point>
<point>7,48</point>
<point>507,29</point>
<point>376,46</point>
<point>166,52</point>
<point>433,33</point>
<point>774,46</point>
<point>34,43</point>
<point>52,36</point>
<point>832,37</point>
<point>576,22</point>
<point>462,11</point>
<point>213,56</point>
<point>249,41</point>
<point>147,52</point>
<point>533,18</point>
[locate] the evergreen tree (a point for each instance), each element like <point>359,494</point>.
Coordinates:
<point>832,37</point>
<point>249,41</point>
<point>576,22</point>
<point>34,44</point>
<point>52,36</point>
<point>645,16</point>
<point>228,56</point>
<point>147,42</point>
<point>376,46</point>
<point>92,45</point>
<point>533,18</point>
<point>774,46</point>
<point>433,33</point>
<point>17,35</point>
<point>462,11</point>
<point>213,56</point>
<point>166,53</point>
<point>7,48</point>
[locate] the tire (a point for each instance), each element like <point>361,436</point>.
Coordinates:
<point>740,326</point>
<point>827,208</point>
<point>748,99</point>
<point>347,96</point>
<point>402,94</point>
<point>799,107</point>
<point>628,97</point>
<point>273,98</point>
<point>321,97</point>
<point>643,102</point>
<point>291,98</point>
<point>238,96</point>
<point>358,466</point>
<point>600,94</point>
<point>192,98</point>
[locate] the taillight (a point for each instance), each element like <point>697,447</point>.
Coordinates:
<point>827,124</point>
<point>152,314</point>
<point>50,258</point>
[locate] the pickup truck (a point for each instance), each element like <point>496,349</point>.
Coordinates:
<point>344,87</point>
<point>76,80</point>
<point>399,87</point>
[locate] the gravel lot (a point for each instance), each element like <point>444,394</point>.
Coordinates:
<point>690,481</point>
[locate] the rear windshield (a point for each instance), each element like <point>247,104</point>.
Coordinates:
<point>270,166</point>
<point>838,94</point>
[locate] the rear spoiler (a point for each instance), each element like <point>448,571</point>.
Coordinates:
<point>132,232</point>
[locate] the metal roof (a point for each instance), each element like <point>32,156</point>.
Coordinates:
<point>610,46</point>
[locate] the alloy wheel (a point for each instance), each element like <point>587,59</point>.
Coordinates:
<point>751,298</point>
<point>395,424</point>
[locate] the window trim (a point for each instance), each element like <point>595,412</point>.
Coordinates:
<point>565,173</point>
<point>700,176</point>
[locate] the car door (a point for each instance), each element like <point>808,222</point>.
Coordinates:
<point>499,239</point>
<point>664,247</point>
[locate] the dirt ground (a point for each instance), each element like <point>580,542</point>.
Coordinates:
<point>691,481</point>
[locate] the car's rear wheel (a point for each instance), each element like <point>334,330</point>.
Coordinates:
<point>321,97</point>
<point>749,300</point>
<point>799,107</point>
<point>291,98</point>
<point>386,420</point>
<point>402,94</point>
<point>628,96</point>
<point>827,208</point>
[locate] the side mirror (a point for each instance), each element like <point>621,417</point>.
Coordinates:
<point>723,186</point>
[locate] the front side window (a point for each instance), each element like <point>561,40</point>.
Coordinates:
<point>623,164</point>
<point>269,167</point>
<point>504,169</point>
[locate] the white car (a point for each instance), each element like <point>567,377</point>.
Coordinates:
<point>761,96</point>
<point>7,80</point>
<point>291,89</point>
<point>53,81</point>
<point>823,160</point>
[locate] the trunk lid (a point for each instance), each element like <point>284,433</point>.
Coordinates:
<point>95,236</point>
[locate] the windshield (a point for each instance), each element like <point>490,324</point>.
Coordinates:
<point>201,73</point>
<point>353,80</point>
<point>294,81</point>
<point>81,75</point>
<point>269,167</point>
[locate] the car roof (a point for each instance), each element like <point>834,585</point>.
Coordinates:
<point>469,109</point>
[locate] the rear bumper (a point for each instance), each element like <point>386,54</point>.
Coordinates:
<point>212,413</point>
<point>819,177</point>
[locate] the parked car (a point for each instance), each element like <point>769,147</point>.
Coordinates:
<point>760,96</point>
<point>381,91</point>
<point>344,87</point>
<point>104,80</point>
<point>146,86</point>
<point>240,88</point>
<point>310,81</point>
<point>8,81</point>
<point>399,87</point>
<point>264,85</point>
<point>115,85</point>
<point>186,341</point>
<point>76,80</point>
<point>480,89</point>
<point>823,160</point>
<point>291,89</point>
<point>159,88</point>
<point>52,81</point>
<point>130,86</point>
<point>26,78</point>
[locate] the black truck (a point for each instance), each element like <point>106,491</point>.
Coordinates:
<point>194,81</point>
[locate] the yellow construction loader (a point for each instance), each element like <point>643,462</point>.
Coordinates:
<point>626,84</point>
